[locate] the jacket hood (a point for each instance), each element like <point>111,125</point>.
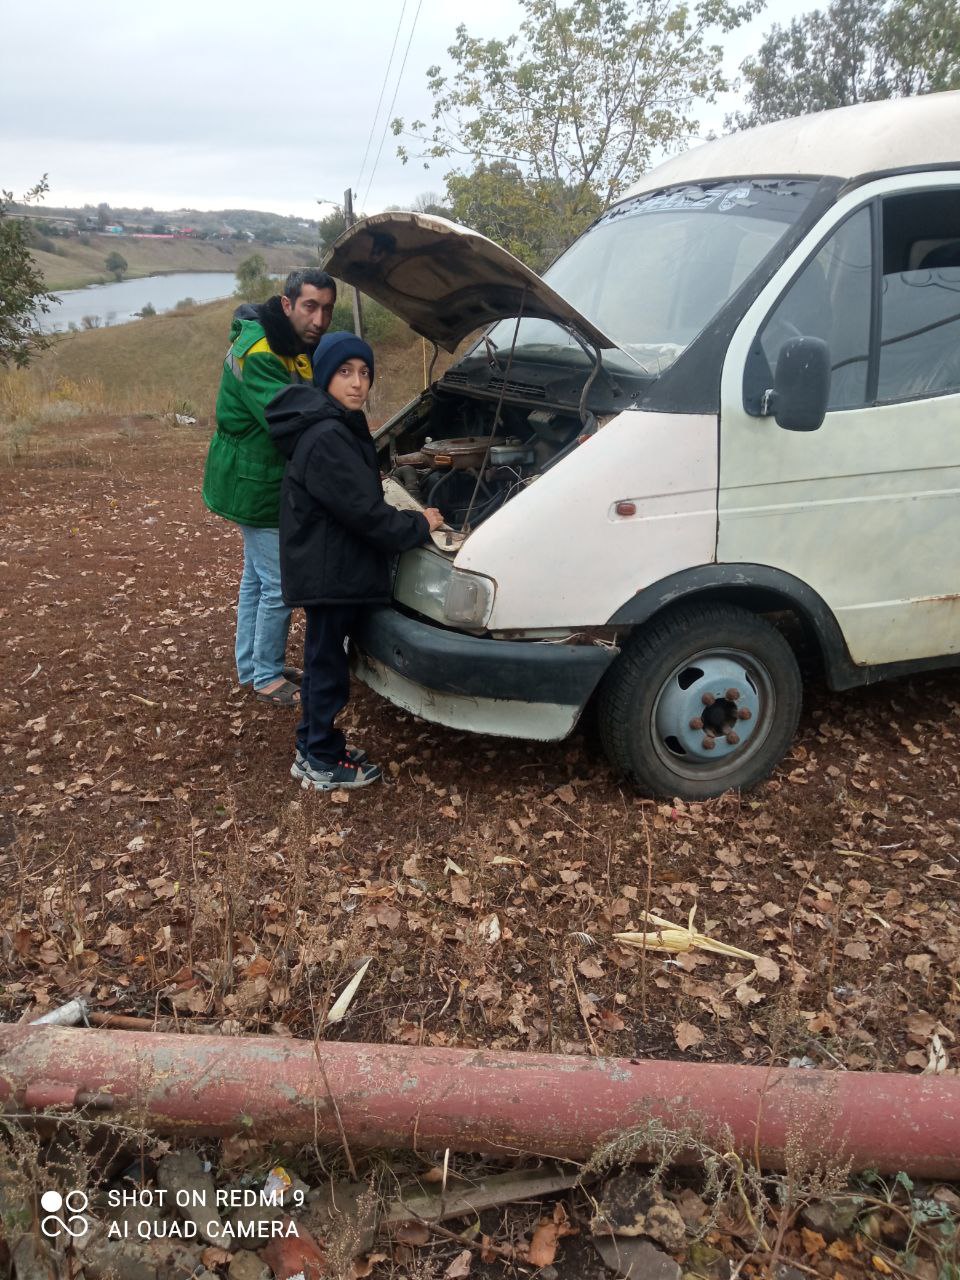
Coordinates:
<point>271,318</point>
<point>279,333</point>
<point>245,313</point>
<point>299,407</point>
<point>278,330</point>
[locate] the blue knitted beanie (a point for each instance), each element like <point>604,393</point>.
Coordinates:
<point>331,352</point>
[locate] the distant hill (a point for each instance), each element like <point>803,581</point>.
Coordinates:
<point>240,224</point>
<point>72,261</point>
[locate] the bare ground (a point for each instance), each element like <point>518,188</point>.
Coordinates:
<point>155,854</point>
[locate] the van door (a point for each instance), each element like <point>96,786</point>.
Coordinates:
<point>865,510</point>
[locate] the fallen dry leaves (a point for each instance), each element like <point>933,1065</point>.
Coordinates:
<point>459,1266</point>
<point>687,1035</point>
<point>156,858</point>
<point>547,1234</point>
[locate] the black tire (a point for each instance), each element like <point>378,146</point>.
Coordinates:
<point>683,668</point>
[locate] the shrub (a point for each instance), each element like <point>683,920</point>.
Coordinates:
<point>379,324</point>
<point>116,263</point>
<point>148,309</point>
<point>185,303</point>
<point>21,286</point>
<point>254,283</point>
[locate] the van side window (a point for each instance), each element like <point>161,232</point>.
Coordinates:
<point>830,299</point>
<point>920,296</point>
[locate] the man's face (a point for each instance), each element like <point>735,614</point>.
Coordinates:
<point>311,314</point>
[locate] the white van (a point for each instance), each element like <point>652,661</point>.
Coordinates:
<point>728,417</point>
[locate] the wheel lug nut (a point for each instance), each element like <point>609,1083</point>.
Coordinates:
<point>708,699</point>
<point>732,695</point>
<point>708,743</point>
<point>744,714</point>
<point>733,738</point>
<point>696,723</point>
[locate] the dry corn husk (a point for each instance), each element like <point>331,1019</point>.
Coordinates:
<point>338,1011</point>
<point>676,938</point>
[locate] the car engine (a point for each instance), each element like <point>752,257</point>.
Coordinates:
<point>446,453</point>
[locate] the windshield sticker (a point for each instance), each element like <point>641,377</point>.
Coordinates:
<point>738,196</point>
<point>757,198</point>
<point>685,198</point>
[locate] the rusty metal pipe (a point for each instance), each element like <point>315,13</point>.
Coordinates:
<point>476,1100</point>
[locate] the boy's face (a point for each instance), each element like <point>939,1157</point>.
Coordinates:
<point>310,314</point>
<point>350,385</point>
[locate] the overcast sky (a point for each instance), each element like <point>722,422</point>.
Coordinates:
<point>210,105</point>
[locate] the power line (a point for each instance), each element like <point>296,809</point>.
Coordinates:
<point>383,87</point>
<point>396,90</point>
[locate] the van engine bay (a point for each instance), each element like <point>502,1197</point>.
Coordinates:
<point>445,452</point>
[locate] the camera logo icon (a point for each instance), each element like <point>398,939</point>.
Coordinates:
<point>74,1205</point>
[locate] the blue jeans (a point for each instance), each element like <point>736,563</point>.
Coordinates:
<point>263,620</point>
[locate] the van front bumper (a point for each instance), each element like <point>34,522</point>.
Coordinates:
<point>511,688</point>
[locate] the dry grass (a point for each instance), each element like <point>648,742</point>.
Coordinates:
<point>165,364</point>
<point>157,365</point>
<point>77,264</point>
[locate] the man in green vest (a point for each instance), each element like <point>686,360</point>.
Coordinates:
<point>270,347</point>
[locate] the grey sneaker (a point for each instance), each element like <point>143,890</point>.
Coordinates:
<point>353,755</point>
<point>343,775</point>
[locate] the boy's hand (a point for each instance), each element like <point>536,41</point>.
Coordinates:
<point>434,518</point>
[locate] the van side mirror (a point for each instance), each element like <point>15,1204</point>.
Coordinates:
<point>801,385</point>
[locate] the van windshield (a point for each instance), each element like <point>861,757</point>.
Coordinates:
<point>655,269</point>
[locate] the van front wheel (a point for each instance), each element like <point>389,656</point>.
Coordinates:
<point>702,700</point>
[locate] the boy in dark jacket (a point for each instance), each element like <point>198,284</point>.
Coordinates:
<point>336,537</point>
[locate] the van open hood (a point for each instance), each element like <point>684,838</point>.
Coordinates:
<point>444,280</point>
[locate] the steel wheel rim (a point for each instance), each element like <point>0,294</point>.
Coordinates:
<point>681,701</point>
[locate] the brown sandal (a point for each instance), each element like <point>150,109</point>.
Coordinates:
<point>286,694</point>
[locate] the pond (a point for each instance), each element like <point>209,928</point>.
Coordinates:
<point>118,303</point>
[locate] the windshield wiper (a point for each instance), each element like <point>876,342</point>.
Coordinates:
<point>491,352</point>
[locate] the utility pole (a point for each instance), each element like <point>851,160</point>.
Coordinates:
<point>349,220</point>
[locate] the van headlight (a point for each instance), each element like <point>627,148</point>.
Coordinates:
<point>468,601</point>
